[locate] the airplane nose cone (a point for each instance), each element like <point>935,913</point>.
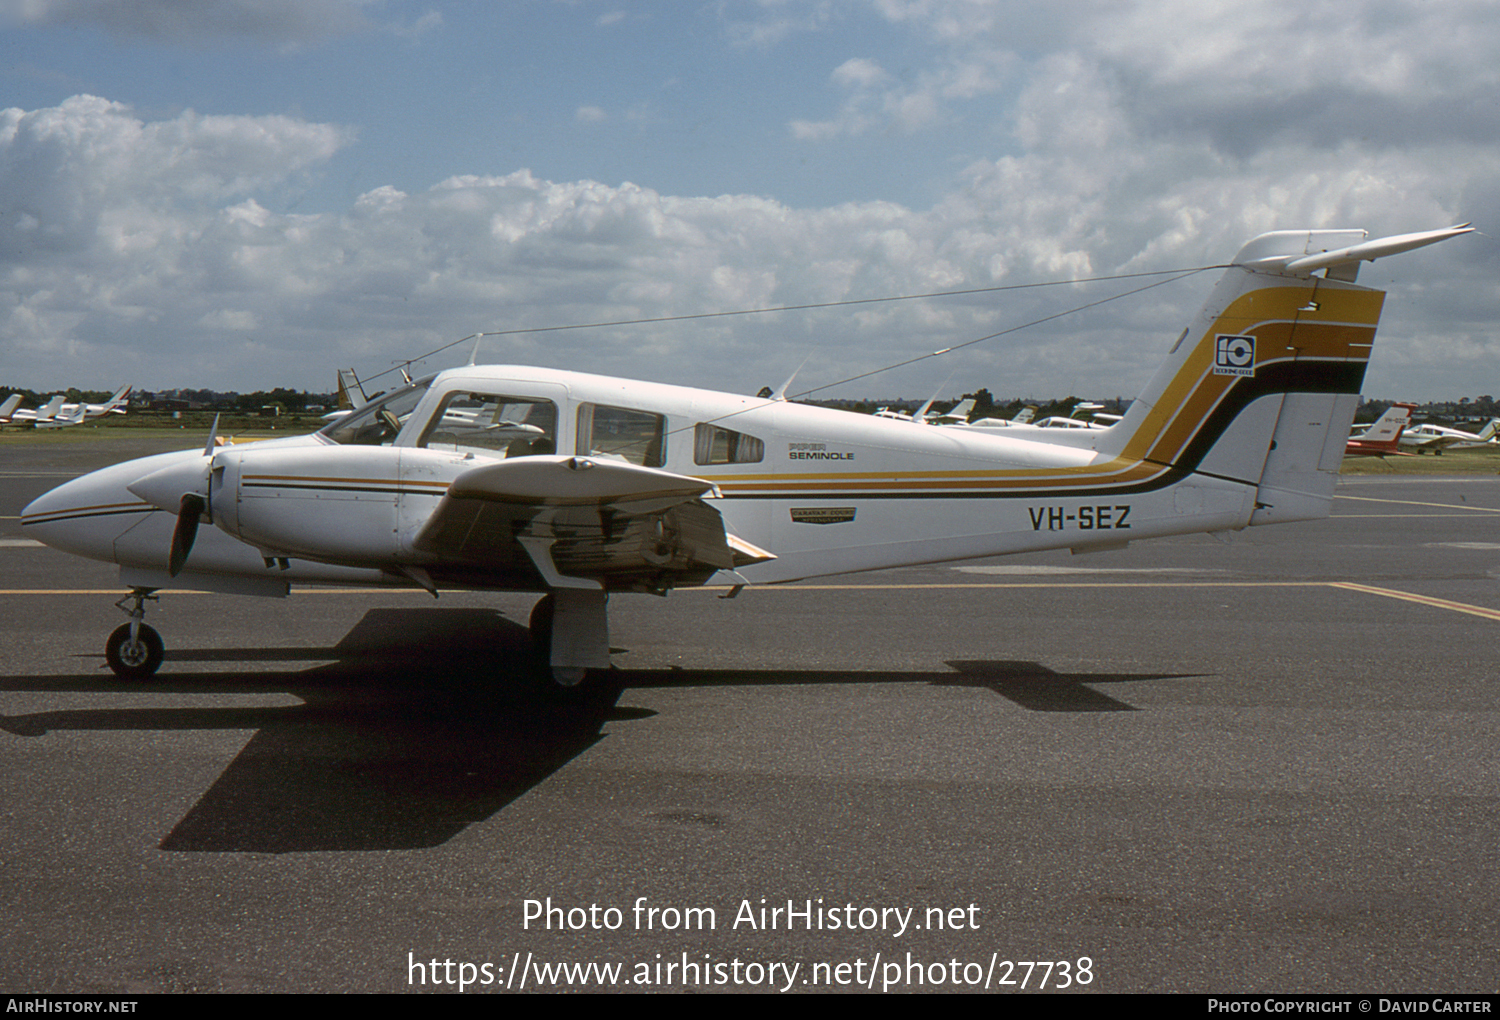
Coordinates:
<point>87,515</point>
<point>80,517</point>
<point>165,487</point>
<point>44,510</point>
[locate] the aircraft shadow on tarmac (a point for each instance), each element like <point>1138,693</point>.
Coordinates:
<point>421,722</point>
<point>1029,685</point>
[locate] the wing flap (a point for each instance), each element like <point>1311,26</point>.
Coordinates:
<point>576,481</point>
<point>623,526</point>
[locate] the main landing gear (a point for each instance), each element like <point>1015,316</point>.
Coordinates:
<point>570,629</point>
<point>134,650</point>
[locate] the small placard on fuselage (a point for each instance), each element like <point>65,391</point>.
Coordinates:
<point>822,514</point>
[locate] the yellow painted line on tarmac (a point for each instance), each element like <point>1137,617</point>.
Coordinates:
<point>1015,584</point>
<point>1366,589</point>
<point>1415,502</point>
<point>62,591</point>
<point>1425,600</point>
<point>193,591</point>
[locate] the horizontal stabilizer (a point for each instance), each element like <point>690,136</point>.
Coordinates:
<point>1305,264</point>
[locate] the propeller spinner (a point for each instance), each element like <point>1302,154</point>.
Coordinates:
<point>182,489</point>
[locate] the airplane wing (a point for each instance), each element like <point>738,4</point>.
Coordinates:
<point>582,522</point>
<point>1424,441</point>
<point>60,421</point>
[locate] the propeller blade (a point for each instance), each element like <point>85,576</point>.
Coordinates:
<point>185,532</point>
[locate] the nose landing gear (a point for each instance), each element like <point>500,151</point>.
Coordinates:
<point>134,650</point>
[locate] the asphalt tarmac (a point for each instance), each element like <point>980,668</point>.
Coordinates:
<point>1266,766</point>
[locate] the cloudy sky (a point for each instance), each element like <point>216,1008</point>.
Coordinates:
<point>241,194</point>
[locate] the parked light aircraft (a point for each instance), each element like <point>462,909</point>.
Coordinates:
<point>1383,437</point>
<point>23,416</point>
<point>56,414</point>
<point>662,486</point>
<point>114,405</point>
<point>921,415</point>
<point>958,414</point>
<point>351,395</point>
<point>1072,421</point>
<point>1023,418</point>
<point>1437,438</point>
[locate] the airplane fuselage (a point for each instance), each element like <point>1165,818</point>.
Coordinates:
<point>824,491</point>
<point>579,485</point>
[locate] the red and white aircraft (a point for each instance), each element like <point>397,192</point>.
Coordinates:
<point>583,486</point>
<point>1383,438</point>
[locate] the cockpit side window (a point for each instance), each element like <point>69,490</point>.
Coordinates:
<point>715,445</point>
<point>379,421</point>
<point>618,433</point>
<point>498,424</point>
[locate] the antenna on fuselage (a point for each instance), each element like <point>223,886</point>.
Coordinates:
<point>920,417</point>
<point>780,392</point>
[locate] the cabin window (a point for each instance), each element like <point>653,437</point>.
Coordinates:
<point>618,433</point>
<point>379,421</point>
<point>715,445</point>
<point>495,423</point>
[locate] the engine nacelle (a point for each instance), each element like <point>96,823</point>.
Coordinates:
<point>331,504</point>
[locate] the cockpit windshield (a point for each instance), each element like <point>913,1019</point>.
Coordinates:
<point>379,421</point>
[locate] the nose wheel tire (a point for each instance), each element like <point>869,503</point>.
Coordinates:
<point>133,659</point>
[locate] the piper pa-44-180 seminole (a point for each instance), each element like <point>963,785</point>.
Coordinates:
<point>580,486</point>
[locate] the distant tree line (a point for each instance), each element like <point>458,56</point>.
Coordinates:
<point>290,401</point>
<point>1484,407</point>
<point>31,398</point>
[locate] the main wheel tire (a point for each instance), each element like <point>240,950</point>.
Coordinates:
<point>134,660</point>
<point>568,679</point>
<point>568,676</point>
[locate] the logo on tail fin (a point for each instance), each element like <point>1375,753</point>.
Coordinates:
<point>1234,355</point>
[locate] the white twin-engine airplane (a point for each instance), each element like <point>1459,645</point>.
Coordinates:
<point>579,486</point>
<point>1437,438</point>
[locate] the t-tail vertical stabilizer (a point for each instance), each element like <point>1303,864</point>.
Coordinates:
<point>1262,387</point>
